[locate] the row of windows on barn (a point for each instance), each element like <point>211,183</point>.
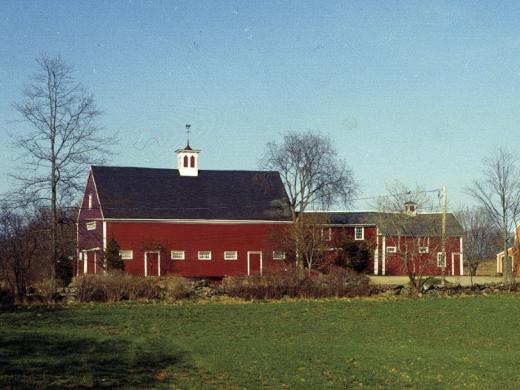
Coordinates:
<point>201,255</point>
<point>359,233</point>
<point>422,249</point>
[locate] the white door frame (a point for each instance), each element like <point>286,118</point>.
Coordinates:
<point>85,259</point>
<point>158,262</point>
<point>248,261</point>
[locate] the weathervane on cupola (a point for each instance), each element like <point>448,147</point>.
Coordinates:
<point>187,158</point>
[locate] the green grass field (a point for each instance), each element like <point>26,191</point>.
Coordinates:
<point>426,343</point>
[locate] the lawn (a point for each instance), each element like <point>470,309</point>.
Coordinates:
<point>425,343</point>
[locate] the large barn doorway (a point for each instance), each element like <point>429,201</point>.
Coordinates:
<point>152,263</point>
<point>254,262</point>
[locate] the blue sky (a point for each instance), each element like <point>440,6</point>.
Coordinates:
<point>416,91</point>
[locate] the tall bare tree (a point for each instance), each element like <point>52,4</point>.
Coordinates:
<point>313,175</point>
<point>62,137</point>
<point>498,192</point>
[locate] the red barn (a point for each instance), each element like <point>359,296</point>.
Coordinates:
<point>207,223</point>
<point>185,221</point>
<point>399,239</point>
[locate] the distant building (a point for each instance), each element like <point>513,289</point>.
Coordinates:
<point>398,237</point>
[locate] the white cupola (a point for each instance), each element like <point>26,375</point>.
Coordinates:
<point>187,158</point>
<point>410,208</point>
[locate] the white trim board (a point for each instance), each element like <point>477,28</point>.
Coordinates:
<point>197,221</point>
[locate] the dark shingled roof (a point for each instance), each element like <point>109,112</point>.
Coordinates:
<point>151,193</point>
<point>398,223</point>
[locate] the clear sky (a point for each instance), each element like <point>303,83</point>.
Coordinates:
<point>416,91</point>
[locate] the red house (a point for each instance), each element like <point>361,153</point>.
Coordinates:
<point>184,221</point>
<point>399,240</point>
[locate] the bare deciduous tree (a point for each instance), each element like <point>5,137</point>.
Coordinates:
<point>310,170</point>
<point>20,244</point>
<point>313,175</point>
<point>409,234</point>
<point>498,193</point>
<point>310,237</point>
<point>62,138</point>
<point>482,238</point>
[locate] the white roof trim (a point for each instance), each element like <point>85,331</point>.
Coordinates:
<point>197,221</point>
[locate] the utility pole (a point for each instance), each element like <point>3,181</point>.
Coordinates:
<point>443,235</point>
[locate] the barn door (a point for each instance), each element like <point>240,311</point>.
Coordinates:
<point>254,263</point>
<point>152,264</point>
<point>455,263</point>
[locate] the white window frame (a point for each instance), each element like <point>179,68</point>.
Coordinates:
<point>91,225</point>
<point>326,234</point>
<point>126,254</point>
<point>362,233</point>
<point>90,201</point>
<point>201,256</point>
<point>230,255</point>
<point>391,249</point>
<point>181,255</point>
<point>439,260</point>
<point>278,255</point>
<point>424,249</point>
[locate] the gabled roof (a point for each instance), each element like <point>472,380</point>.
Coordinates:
<point>151,193</point>
<point>398,223</point>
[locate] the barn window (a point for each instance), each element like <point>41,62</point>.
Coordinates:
<point>278,255</point>
<point>391,249</point>
<point>186,161</point>
<point>424,249</point>
<point>326,234</point>
<point>91,225</point>
<point>126,254</point>
<point>440,257</point>
<point>89,201</point>
<point>359,233</point>
<point>192,161</point>
<point>204,255</point>
<point>177,255</point>
<point>230,255</point>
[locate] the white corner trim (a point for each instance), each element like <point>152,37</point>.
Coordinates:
<point>383,257</point>
<point>97,193</point>
<point>104,235</point>
<point>461,256</point>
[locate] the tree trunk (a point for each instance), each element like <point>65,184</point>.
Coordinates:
<point>54,225</point>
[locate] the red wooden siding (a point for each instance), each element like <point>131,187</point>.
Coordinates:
<point>393,261</point>
<point>192,238</point>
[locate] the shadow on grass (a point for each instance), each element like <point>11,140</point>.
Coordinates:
<point>64,361</point>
